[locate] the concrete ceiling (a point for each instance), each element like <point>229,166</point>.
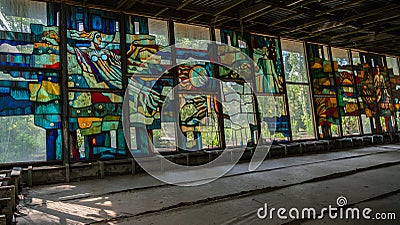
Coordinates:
<point>371,25</point>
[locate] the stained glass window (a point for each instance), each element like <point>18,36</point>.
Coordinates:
<point>30,100</point>
<point>267,55</point>
<point>299,96</point>
<point>365,92</point>
<point>324,90</point>
<point>144,38</point>
<point>199,122</point>
<point>95,125</point>
<point>152,119</point>
<point>376,92</point>
<point>190,36</point>
<point>93,49</point>
<point>15,16</point>
<point>239,114</point>
<point>234,57</point>
<point>393,70</point>
<point>347,93</point>
<point>274,119</point>
<point>94,84</point>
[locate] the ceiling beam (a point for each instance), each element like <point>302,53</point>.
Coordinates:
<point>373,37</point>
<point>298,11</point>
<point>131,4</point>
<point>349,33</point>
<point>371,42</point>
<point>345,21</point>
<point>217,19</point>
<point>286,19</point>
<point>224,21</point>
<point>121,3</point>
<point>390,29</point>
<point>396,15</point>
<point>365,30</point>
<point>338,7</point>
<point>195,16</point>
<point>371,13</point>
<point>224,9</point>
<point>161,11</point>
<point>310,24</point>
<point>299,3</point>
<point>183,4</point>
<point>260,14</point>
<point>255,9</point>
<point>323,31</point>
<point>318,14</point>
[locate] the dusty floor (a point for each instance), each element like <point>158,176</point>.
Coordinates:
<point>367,177</point>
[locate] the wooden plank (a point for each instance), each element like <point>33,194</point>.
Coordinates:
<point>2,219</point>
<point>16,171</point>
<point>6,181</point>
<point>9,192</point>
<point>6,209</point>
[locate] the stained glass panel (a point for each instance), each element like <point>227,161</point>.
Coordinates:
<point>300,111</point>
<point>233,57</point>
<point>347,93</point>
<point>298,91</point>
<point>376,92</point>
<point>93,49</point>
<point>239,114</point>
<point>95,125</point>
<point>199,122</point>
<point>325,92</point>
<point>30,99</point>
<point>267,55</point>
<point>274,119</point>
<point>294,61</point>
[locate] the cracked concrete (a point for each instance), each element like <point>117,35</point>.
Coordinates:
<point>309,180</point>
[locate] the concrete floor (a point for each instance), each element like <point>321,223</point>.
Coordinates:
<point>367,177</point>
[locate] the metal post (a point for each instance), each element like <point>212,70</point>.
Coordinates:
<point>285,91</point>
<point>64,84</point>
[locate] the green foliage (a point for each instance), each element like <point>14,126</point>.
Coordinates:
<point>300,108</point>
<point>21,140</point>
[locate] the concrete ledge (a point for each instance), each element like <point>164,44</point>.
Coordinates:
<point>248,153</point>
<point>47,175</point>
<point>327,145</point>
<point>84,171</point>
<point>346,143</point>
<point>319,146</point>
<point>358,141</point>
<point>368,140</point>
<point>377,139</point>
<point>118,167</point>
<point>197,158</point>
<point>33,175</point>
<point>395,138</point>
<point>309,147</point>
<point>277,150</point>
<point>387,139</point>
<point>213,154</point>
<point>293,149</point>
